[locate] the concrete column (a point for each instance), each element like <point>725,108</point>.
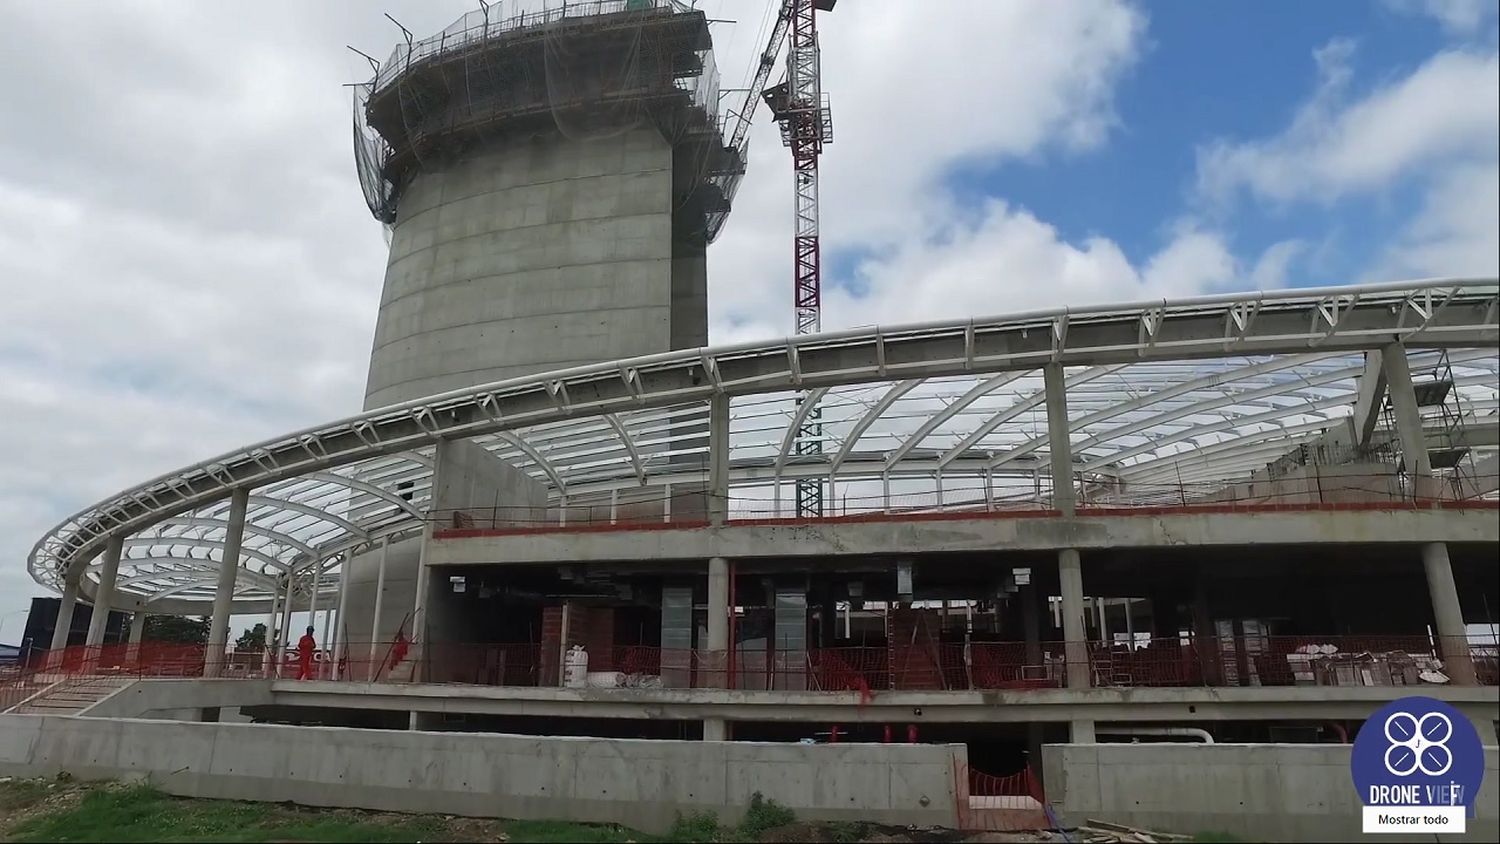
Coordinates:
<point>1448,614</point>
<point>1206,638</point>
<point>1082,732</point>
<point>718,621</point>
<point>1059,441</point>
<point>137,632</point>
<point>229,567</point>
<point>65,614</point>
<point>827,619</point>
<point>104,596</point>
<point>1031,625</point>
<point>715,729</point>
<point>718,459</point>
<point>137,627</point>
<point>1070,576</point>
<point>385,549</point>
<point>1408,420</point>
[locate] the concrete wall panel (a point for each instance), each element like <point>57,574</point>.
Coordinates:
<point>1262,792</point>
<point>643,784</point>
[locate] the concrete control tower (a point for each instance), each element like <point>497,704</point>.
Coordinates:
<point>551,179</point>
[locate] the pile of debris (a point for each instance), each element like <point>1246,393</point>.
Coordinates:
<point>1325,665</point>
<point>1100,832</point>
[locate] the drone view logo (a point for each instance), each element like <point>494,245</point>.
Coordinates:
<point>1417,764</point>
<point>1418,744</point>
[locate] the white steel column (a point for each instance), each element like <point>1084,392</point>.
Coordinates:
<point>137,627</point>
<point>229,567</point>
<point>1408,420</point>
<point>312,601</point>
<point>327,643</point>
<point>1059,442</point>
<point>340,629</point>
<point>385,550</point>
<point>65,613</point>
<point>287,606</point>
<point>105,594</point>
<point>1448,615</point>
<point>273,624</point>
<point>1069,566</point>
<point>718,460</point>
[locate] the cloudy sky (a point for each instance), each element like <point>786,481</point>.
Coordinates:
<point>186,263</point>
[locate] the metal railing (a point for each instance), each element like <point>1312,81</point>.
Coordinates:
<point>1396,660</point>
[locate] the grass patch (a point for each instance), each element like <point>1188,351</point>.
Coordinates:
<point>846,832</point>
<point>557,832</point>
<point>41,810</point>
<point>763,814</point>
<point>702,826</point>
<point>109,812</point>
<point>143,814</point>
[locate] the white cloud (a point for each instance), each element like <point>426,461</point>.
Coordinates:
<point>1456,16</point>
<point>186,264</point>
<point>1003,259</point>
<point>1455,233</point>
<point>1436,128</point>
<point>1336,147</point>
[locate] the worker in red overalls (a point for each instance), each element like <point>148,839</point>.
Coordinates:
<point>305,647</point>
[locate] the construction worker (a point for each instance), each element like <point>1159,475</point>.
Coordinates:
<point>305,648</point>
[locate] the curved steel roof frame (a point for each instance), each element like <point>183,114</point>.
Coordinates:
<point>957,397</point>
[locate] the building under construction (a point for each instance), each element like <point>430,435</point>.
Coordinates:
<point>1251,517</point>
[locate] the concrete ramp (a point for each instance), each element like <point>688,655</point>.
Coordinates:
<point>70,695</point>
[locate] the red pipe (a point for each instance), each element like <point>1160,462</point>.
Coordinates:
<point>887,739</point>
<point>833,734</point>
<point>911,733</point>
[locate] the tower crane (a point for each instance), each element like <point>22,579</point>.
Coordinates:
<point>800,108</point>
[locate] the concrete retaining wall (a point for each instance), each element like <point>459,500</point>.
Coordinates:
<point>1259,792</point>
<point>642,784</point>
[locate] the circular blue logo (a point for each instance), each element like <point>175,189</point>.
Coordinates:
<point>1418,752</point>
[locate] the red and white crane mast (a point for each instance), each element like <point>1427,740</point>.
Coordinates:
<point>800,108</point>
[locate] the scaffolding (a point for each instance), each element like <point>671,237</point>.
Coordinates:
<point>1444,424</point>
<point>581,70</point>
